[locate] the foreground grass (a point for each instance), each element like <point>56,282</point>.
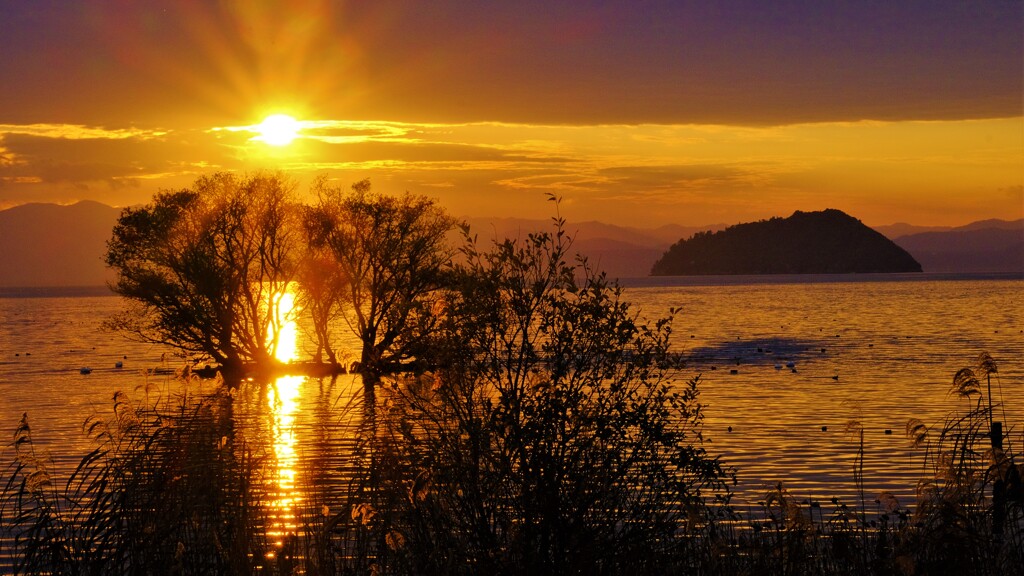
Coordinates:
<point>172,487</point>
<point>165,490</point>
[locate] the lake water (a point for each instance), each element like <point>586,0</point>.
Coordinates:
<point>878,349</point>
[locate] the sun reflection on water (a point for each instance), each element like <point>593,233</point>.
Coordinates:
<point>282,402</point>
<point>282,399</point>
<point>286,328</point>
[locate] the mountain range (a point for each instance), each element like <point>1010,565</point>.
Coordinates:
<point>621,251</point>
<point>55,245</point>
<point>968,250</point>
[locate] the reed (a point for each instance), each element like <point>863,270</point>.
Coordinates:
<point>166,489</point>
<point>968,518</point>
<point>425,485</point>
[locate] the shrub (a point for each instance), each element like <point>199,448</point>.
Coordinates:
<point>555,436</point>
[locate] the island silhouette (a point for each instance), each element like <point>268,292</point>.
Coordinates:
<point>825,242</point>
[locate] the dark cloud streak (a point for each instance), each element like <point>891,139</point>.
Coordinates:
<point>423,152</point>
<point>661,176</point>
<point>116,162</point>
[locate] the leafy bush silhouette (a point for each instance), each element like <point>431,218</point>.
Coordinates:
<point>556,435</point>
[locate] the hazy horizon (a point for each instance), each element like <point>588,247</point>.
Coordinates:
<point>52,245</point>
<point>544,218</point>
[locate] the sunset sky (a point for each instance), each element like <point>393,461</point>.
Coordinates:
<point>637,113</point>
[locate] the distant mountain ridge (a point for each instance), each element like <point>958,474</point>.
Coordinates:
<point>621,251</point>
<point>901,229</point>
<point>54,245</point>
<point>826,242</point>
<point>968,250</point>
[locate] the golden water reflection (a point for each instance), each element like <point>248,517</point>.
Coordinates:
<point>284,326</point>
<point>282,400</point>
<point>282,403</point>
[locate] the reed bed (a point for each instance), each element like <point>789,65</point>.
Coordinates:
<point>173,487</point>
<point>166,489</point>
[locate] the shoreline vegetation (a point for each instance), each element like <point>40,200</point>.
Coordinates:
<point>173,486</point>
<point>515,417</point>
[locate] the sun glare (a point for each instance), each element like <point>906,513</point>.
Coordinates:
<point>278,130</point>
<point>287,331</point>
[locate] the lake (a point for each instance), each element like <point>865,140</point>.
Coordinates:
<point>876,349</point>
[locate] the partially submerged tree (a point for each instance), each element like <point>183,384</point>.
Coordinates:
<point>392,252</point>
<point>206,267</point>
<point>323,287</point>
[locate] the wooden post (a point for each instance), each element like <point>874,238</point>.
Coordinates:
<point>998,486</point>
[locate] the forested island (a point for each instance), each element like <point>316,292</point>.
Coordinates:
<point>825,242</point>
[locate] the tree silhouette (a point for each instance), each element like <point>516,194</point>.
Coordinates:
<point>391,250</point>
<point>205,267</point>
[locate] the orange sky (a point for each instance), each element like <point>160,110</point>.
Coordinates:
<point>638,113</point>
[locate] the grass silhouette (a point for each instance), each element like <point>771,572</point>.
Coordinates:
<point>171,487</point>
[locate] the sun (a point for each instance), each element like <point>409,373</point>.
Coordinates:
<point>278,129</point>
